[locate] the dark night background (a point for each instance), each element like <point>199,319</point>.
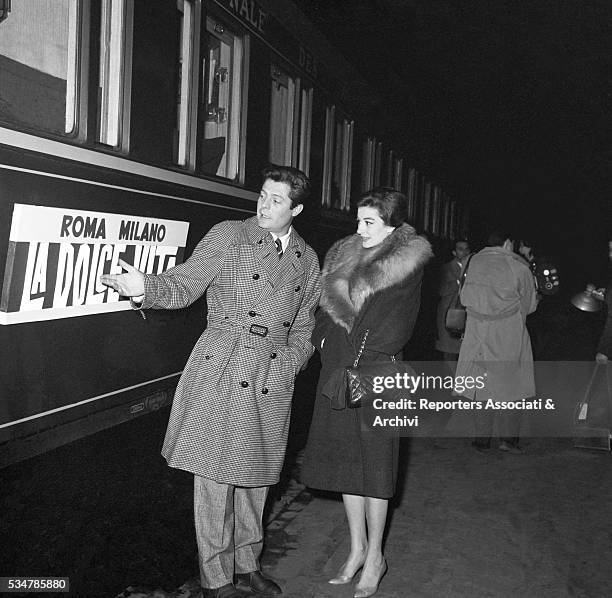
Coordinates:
<point>505,104</point>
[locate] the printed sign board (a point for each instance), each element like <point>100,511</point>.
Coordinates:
<point>56,256</point>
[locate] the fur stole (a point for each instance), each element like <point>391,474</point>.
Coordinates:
<point>353,273</point>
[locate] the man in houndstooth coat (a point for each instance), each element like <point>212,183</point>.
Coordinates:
<point>230,414</point>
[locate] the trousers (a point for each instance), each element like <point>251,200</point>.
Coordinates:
<point>508,424</point>
<point>229,529</point>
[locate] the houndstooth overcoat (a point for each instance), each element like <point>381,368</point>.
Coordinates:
<point>230,415</point>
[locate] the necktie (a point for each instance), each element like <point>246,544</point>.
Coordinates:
<point>279,247</point>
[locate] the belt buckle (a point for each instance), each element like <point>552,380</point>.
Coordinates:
<point>258,330</point>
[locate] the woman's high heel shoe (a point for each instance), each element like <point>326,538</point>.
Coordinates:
<point>366,592</point>
<point>343,579</point>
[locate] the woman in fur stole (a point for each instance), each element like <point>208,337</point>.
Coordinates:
<point>371,281</point>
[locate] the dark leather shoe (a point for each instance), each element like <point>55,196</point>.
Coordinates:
<point>226,591</point>
<point>509,447</point>
<point>481,446</point>
<point>257,583</point>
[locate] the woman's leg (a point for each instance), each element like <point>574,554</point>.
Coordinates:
<point>356,516</point>
<point>374,566</point>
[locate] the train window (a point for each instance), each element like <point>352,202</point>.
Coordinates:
<point>427,208</point>
<point>187,85</point>
<point>435,211</point>
<point>222,76</point>
<point>394,171</point>
<point>290,120</point>
<point>411,194</point>
<point>285,90</point>
<point>389,169</point>
<point>452,224</point>
<point>39,57</point>
<point>305,130</point>
<point>397,173</point>
<point>337,161</point>
<point>114,73</point>
<point>367,172</point>
<point>378,163</point>
<point>445,216</point>
<point>372,159</point>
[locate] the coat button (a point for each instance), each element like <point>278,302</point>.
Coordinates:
<point>252,314</point>
<point>286,324</point>
<point>273,356</point>
<point>244,384</point>
<point>264,391</point>
<point>255,276</point>
<point>206,356</point>
<point>298,253</point>
<point>259,242</point>
<point>297,288</point>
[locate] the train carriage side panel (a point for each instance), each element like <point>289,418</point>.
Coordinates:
<point>61,371</point>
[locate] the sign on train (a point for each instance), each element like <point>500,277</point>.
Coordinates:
<point>56,256</point>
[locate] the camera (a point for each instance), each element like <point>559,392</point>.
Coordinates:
<point>546,276</point>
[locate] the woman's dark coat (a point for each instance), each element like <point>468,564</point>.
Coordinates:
<point>378,289</point>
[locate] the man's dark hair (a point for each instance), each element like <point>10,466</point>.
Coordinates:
<point>299,183</point>
<point>391,204</point>
<point>517,242</point>
<point>498,237</point>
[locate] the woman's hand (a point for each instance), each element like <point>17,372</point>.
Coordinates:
<point>130,284</point>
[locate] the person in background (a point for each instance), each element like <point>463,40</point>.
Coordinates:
<point>498,292</point>
<point>450,279</point>
<point>540,324</point>
<point>604,348</point>
<point>447,343</point>
<point>371,283</point>
<point>230,414</point>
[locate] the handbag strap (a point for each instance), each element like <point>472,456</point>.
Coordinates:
<point>365,335</point>
<point>463,275</point>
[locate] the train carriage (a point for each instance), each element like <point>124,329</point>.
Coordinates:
<point>127,129</point>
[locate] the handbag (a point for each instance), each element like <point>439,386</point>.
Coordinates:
<point>355,389</point>
<point>456,314</point>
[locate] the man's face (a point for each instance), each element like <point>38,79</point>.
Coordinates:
<point>462,249</point>
<point>274,212</point>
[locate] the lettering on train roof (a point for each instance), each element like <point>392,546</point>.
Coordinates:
<point>250,12</point>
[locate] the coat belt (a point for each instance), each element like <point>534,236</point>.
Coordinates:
<point>244,326</point>
<point>492,317</point>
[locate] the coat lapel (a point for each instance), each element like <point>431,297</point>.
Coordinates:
<point>268,257</point>
<point>289,268</point>
<point>263,244</point>
<point>280,272</point>
<point>291,263</point>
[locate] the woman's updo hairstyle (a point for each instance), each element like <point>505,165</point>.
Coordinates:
<point>391,204</point>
